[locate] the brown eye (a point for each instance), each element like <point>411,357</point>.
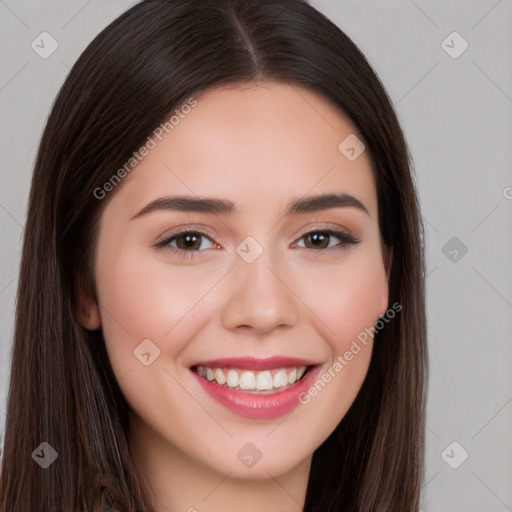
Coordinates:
<point>318,239</point>
<point>328,239</point>
<point>188,241</point>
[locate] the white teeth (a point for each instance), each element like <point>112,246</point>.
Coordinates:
<point>247,380</point>
<point>232,379</point>
<point>265,380</point>
<point>219,376</point>
<point>280,379</point>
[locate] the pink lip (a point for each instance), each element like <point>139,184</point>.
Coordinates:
<point>255,363</point>
<point>253,405</point>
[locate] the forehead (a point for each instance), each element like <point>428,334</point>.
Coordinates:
<point>254,141</point>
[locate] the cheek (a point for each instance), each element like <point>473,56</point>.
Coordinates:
<point>347,298</point>
<point>149,301</point>
<point>346,307</point>
<point>157,303</point>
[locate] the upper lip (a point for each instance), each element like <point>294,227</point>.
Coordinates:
<point>255,363</point>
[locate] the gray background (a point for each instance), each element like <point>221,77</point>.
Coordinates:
<point>457,116</point>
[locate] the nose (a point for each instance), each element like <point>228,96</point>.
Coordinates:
<point>260,297</point>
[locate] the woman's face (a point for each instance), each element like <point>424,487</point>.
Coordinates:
<point>250,291</point>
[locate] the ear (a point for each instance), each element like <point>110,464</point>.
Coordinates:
<point>87,311</point>
<point>387,255</point>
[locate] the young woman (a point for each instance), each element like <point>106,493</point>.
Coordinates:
<point>221,301</point>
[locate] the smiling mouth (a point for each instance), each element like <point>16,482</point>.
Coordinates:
<point>269,381</point>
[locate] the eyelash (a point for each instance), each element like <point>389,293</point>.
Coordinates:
<point>343,236</point>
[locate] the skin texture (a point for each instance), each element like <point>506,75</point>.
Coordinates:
<point>258,145</point>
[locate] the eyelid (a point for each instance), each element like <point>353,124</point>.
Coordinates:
<point>343,235</point>
<point>164,239</point>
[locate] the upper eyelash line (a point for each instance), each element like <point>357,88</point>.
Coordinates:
<point>345,238</point>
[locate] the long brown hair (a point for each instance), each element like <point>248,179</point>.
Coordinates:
<point>135,73</point>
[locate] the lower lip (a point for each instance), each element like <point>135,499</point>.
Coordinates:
<point>253,405</point>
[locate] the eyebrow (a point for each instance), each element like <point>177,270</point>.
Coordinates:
<point>225,207</point>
